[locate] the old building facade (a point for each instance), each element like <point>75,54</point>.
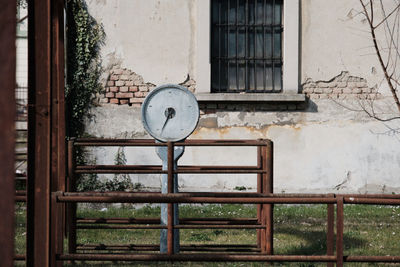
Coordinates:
<point>299,72</point>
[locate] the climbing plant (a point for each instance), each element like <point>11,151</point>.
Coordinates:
<point>84,38</point>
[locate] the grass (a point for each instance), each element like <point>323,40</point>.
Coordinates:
<point>298,229</point>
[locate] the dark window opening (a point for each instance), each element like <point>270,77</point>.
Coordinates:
<point>246,46</point>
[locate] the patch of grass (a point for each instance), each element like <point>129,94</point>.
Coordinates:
<point>298,229</point>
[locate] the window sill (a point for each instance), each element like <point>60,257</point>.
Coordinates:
<point>250,97</point>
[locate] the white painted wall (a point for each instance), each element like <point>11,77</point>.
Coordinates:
<point>324,148</point>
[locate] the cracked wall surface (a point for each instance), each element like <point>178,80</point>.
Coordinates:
<point>325,144</point>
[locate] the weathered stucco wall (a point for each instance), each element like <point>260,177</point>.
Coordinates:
<point>323,145</point>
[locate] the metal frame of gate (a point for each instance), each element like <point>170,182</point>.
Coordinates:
<point>263,224</point>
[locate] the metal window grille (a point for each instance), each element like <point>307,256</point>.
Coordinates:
<point>246,46</point>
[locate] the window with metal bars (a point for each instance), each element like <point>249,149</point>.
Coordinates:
<point>246,46</point>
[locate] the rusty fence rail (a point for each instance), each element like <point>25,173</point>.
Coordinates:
<point>264,199</point>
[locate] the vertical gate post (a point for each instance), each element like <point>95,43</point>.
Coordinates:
<point>260,166</point>
<point>39,133</point>
<point>7,133</point>
<point>57,236</point>
<point>71,207</point>
<point>170,226</point>
<point>268,188</point>
<point>339,232</point>
<point>330,231</point>
<point>57,128</point>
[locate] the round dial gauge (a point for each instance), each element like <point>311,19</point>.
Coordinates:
<point>170,113</point>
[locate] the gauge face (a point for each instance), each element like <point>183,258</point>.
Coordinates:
<point>170,113</point>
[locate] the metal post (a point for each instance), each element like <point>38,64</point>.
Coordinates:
<point>71,207</point>
<point>39,133</point>
<point>330,231</point>
<point>162,152</point>
<point>57,236</point>
<point>259,190</point>
<point>7,132</point>
<point>339,232</point>
<point>57,128</point>
<point>170,233</point>
<point>268,188</point>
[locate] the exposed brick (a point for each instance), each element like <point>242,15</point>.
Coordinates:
<point>123,89</point>
<point>114,89</point>
<point>126,72</point>
<point>139,94</point>
<point>372,96</point>
<point>362,96</point>
<point>318,90</point>
<point>124,95</point>
<point>143,89</point>
<point>136,100</point>
<point>129,83</point>
<point>119,83</point>
<point>133,89</point>
<point>109,95</point>
<point>117,71</point>
<point>114,101</point>
<point>103,100</point>
<point>110,83</point>
<point>308,90</point>
<point>114,77</point>
<point>347,90</point>
<point>124,77</point>
<point>366,90</point>
<point>323,85</point>
<point>361,84</point>
<point>123,101</point>
<point>334,96</point>
<point>337,90</point>
<point>107,89</point>
<point>324,96</point>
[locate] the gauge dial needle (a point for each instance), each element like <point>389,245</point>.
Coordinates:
<point>169,116</point>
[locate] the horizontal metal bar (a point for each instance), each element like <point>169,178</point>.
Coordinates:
<point>19,257</point>
<point>221,226</point>
<point>372,258</point>
<point>158,169</point>
<point>20,198</point>
<point>176,198</point>
<point>151,142</point>
<point>371,201</point>
<point>195,257</point>
<point>232,194</point>
<point>388,196</point>
<point>20,192</point>
<point>186,221</point>
<point>180,226</point>
<point>120,227</point>
<point>193,247</point>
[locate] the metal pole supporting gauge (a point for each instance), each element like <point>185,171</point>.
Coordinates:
<point>170,113</point>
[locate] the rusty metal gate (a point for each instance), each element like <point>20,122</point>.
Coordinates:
<point>263,224</point>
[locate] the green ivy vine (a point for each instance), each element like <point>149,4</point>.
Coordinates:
<point>84,38</point>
